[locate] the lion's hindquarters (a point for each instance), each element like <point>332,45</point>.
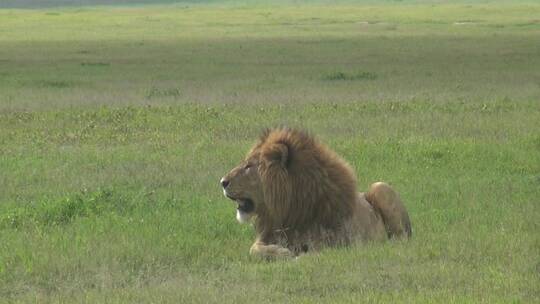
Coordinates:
<point>366,222</point>
<point>388,203</point>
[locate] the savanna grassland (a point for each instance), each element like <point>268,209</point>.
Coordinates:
<point>116,124</point>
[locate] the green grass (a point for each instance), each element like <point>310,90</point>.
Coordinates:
<point>116,125</point>
<point>116,56</point>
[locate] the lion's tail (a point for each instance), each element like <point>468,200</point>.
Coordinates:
<point>392,210</point>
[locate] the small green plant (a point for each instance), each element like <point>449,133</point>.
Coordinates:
<point>162,93</point>
<point>350,76</point>
<point>95,64</point>
<point>56,84</point>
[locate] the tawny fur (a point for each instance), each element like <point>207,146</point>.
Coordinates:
<point>305,198</point>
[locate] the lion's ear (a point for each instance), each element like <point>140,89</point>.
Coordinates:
<point>277,153</point>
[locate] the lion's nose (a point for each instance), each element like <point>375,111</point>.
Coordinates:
<point>224,183</point>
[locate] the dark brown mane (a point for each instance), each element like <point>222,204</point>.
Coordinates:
<point>307,187</point>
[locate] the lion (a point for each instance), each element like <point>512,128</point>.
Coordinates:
<point>301,196</point>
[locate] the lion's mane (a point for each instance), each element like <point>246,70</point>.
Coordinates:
<point>309,191</point>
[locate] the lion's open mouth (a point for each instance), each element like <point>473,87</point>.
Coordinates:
<point>244,204</point>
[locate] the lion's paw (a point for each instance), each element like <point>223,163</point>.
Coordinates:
<point>270,251</point>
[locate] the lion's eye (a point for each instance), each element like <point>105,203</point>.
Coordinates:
<point>247,166</point>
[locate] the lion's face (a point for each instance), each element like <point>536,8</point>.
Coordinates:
<point>243,185</point>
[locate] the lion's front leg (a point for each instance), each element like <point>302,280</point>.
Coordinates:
<point>270,251</point>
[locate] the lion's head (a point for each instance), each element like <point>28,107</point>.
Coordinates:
<point>243,185</point>
<point>288,179</point>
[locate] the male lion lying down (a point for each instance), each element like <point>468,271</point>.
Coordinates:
<point>302,196</point>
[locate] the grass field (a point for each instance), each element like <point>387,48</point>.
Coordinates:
<point>116,124</point>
